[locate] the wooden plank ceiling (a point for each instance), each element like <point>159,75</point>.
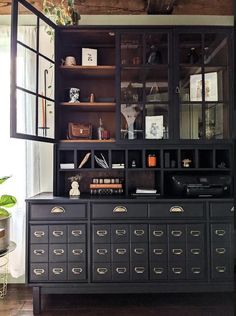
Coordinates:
<point>195,7</point>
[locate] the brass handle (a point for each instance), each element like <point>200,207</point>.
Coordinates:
<point>221,269</point>
<point>220,232</point>
<point>39,233</point>
<point>195,233</point>
<point>120,232</point>
<point>139,232</point>
<point>176,209</point>
<point>139,251</point>
<point>57,270</point>
<point>158,251</point>
<point>102,233</point>
<point>139,270</point>
<point>120,209</point>
<point>121,251</point>
<point>39,271</point>
<point>39,252</point>
<point>221,251</point>
<point>177,270</point>
<point>121,270</point>
<point>195,251</point>
<point>232,209</point>
<point>102,251</point>
<point>196,270</point>
<point>58,233</point>
<point>176,233</point>
<point>158,270</point>
<point>58,252</point>
<point>77,270</point>
<point>102,270</point>
<point>77,252</point>
<point>57,210</point>
<point>77,232</point>
<point>177,251</point>
<point>158,233</point>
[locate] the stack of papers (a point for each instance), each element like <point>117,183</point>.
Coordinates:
<point>146,191</point>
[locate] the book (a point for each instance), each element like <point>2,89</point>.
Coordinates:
<point>106,186</point>
<point>146,191</point>
<point>67,165</point>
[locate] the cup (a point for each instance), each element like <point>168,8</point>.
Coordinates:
<point>70,61</point>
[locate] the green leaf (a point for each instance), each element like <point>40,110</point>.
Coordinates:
<point>3,179</point>
<point>4,213</point>
<point>7,201</point>
<point>49,87</point>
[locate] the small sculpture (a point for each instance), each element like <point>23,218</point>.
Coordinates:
<point>186,163</point>
<point>74,95</point>
<point>74,191</point>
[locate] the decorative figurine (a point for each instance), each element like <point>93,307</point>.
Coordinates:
<point>100,129</point>
<point>154,56</point>
<point>74,95</point>
<point>186,163</point>
<point>74,191</point>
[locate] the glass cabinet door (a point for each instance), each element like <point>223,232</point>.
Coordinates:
<point>203,86</point>
<point>144,85</point>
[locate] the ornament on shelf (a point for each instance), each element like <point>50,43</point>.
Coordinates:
<point>74,191</point>
<point>186,163</point>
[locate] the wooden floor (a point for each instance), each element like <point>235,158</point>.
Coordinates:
<point>18,302</point>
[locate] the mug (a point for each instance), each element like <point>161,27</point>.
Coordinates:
<point>70,61</point>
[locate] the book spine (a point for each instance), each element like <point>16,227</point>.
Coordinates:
<point>105,186</point>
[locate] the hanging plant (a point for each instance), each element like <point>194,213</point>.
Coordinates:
<point>6,201</point>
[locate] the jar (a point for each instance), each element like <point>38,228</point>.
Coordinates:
<point>152,160</point>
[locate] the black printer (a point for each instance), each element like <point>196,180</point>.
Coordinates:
<point>201,186</point>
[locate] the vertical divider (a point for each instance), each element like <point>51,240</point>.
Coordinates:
<point>92,159</point>
<point>110,158</point>
<point>161,158</point>
<point>196,153</point>
<point>179,165</point>
<point>162,183</point>
<point>214,158</point>
<point>75,159</point>
<point>143,159</point>
<point>126,178</point>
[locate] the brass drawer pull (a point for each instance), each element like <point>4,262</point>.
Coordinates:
<point>221,251</point>
<point>77,270</point>
<point>121,251</point>
<point>102,270</point>
<point>39,271</point>
<point>77,232</point>
<point>176,209</point>
<point>220,232</point>
<point>158,233</point>
<point>58,252</point>
<point>120,232</point>
<point>77,252</point>
<point>177,270</point>
<point>102,251</point>
<point>120,209</point>
<point>177,252</point>
<point>195,251</point>
<point>39,252</point>
<point>139,270</point>
<point>139,251</point>
<point>176,233</point>
<point>58,233</point>
<point>57,270</point>
<point>102,233</point>
<point>158,251</point>
<point>221,269</point>
<point>121,270</point>
<point>232,209</point>
<point>195,233</point>
<point>57,210</point>
<point>39,233</point>
<point>196,270</point>
<point>139,232</point>
<point>158,270</point>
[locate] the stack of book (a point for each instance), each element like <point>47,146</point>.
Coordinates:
<point>140,192</point>
<point>107,186</point>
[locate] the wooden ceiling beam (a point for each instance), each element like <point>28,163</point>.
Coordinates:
<point>160,6</point>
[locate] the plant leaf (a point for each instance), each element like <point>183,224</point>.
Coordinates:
<point>3,179</point>
<point>7,200</point>
<point>4,213</point>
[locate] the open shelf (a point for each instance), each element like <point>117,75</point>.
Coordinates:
<point>87,141</point>
<point>88,71</point>
<point>90,106</point>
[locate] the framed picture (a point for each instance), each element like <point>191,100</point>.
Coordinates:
<point>89,57</point>
<point>211,87</point>
<point>154,127</point>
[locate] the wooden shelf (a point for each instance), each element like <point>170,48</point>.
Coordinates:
<point>87,141</point>
<point>89,71</point>
<point>89,106</point>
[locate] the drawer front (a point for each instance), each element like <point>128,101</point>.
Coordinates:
<point>38,272</point>
<point>177,271</point>
<point>221,253</point>
<point>158,234</point>
<point>39,253</point>
<point>101,253</point>
<point>177,233</point>
<point>39,234</point>
<point>102,272</point>
<point>177,253</point>
<point>139,233</point>
<point>76,252</point>
<point>101,234</point>
<point>76,233</point>
<point>158,271</point>
<point>196,233</point>
<point>57,272</point>
<point>120,233</point>
<point>158,252</point>
<point>57,234</point>
<point>222,209</point>
<point>76,272</point>
<point>120,252</point>
<point>57,253</point>
<point>57,211</point>
<point>177,210</point>
<point>195,253</point>
<point>124,210</point>
<point>139,252</point>
<point>139,271</point>
<point>221,271</point>
<point>196,271</point>
<point>120,272</point>
<point>220,232</point>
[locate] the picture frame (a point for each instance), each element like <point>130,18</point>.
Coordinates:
<point>89,57</point>
<point>211,87</point>
<point>154,127</point>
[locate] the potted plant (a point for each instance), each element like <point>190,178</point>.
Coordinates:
<point>6,202</point>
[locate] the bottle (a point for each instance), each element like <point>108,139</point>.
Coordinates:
<point>152,160</point>
<point>192,56</point>
<point>100,129</point>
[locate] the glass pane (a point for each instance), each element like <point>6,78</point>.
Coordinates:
<point>46,40</point>
<point>216,84</point>
<point>131,121</point>
<point>26,68</point>
<point>216,116</point>
<point>46,118</point>
<point>131,85</point>
<point>26,35</point>
<point>190,46</point>
<point>131,49</point>
<point>215,49</point>
<point>191,125</point>
<point>156,121</point>
<point>156,85</point>
<point>190,84</point>
<point>26,113</point>
<point>46,78</point>
<point>156,48</point>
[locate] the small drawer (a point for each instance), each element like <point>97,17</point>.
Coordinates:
<point>57,252</point>
<point>177,253</point>
<point>158,271</point>
<point>76,252</point>
<point>196,271</point>
<point>39,234</point>
<point>139,252</point>
<point>57,211</point>
<point>139,271</point>
<point>76,233</point>
<point>123,210</point>
<point>195,233</point>
<point>102,272</point>
<point>120,233</point>
<point>120,252</point>
<point>158,234</point>
<point>222,271</point>
<point>177,271</point>
<point>101,234</point>
<point>220,232</point>
<point>101,253</point>
<point>76,272</point>
<point>177,233</point>
<point>176,210</point>
<point>139,233</point>
<point>39,253</point>
<point>222,209</point>
<point>195,253</point>
<point>120,272</point>
<point>38,272</point>
<point>57,234</point>
<point>57,272</point>
<point>158,252</point>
